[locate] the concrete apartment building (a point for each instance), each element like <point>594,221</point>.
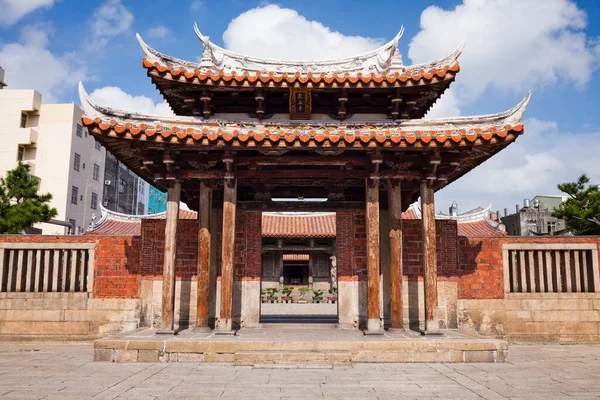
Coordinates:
<point>535,218</point>
<point>52,140</point>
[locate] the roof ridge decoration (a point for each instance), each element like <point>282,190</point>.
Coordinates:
<point>468,217</point>
<point>386,133</point>
<point>377,60</point>
<point>218,63</point>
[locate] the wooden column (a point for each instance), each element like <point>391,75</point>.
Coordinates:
<point>227,250</point>
<point>395,211</point>
<point>204,237</point>
<point>168,295</point>
<point>429,258</point>
<point>373,318</point>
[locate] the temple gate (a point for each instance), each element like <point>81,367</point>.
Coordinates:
<point>251,134</point>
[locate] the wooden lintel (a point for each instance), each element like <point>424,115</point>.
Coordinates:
<point>301,160</point>
<point>297,248</point>
<point>300,205</point>
<point>201,174</point>
<point>300,173</point>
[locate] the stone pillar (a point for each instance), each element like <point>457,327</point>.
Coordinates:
<point>204,238</point>
<point>429,258</point>
<point>227,250</point>
<point>373,317</point>
<point>168,288</point>
<point>395,211</point>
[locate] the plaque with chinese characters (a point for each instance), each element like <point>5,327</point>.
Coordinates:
<point>300,103</point>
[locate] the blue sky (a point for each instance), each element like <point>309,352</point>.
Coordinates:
<point>551,47</point>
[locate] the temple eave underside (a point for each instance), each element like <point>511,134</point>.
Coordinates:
<point>302,159</point>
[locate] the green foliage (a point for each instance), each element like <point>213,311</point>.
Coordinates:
<point>317,293</point>
<point>581,211</point>
<point>302,291</point>
<point>272,291</point>
<point>20,204</point>
<point>333,290</point>
<point>287,291</point>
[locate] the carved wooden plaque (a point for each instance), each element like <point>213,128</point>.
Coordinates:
<point>300,103</point>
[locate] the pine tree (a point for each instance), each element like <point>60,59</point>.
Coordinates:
<point>581,211</point>
<point>20,204</point>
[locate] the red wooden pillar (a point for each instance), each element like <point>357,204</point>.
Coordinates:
<point>395,211</point>
<point>168,289</point>
<point>429,258</point>
<point>227,249</point>
<point>373,310</point>
<point>204,237</point>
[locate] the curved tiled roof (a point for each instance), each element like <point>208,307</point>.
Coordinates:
<point>422,132</point>
<point>311,225</point>
<point>380,66</point>
<point>305,226</point>
<point>473,223</point>
<point>112,223</point>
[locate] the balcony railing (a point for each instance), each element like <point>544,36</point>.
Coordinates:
<point>550,268</point>
<point>46,267</point>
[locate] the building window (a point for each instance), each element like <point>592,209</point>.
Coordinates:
<point>76,162</point>
<point>98,145</point>
<point>94,204</point>
<point>74,194</point>
<point>551,227</point>
<point>96,172</point>
<point>79,130</point>
<point>122,185</point>
<point>140,208</point>
<point>23,120</point>
<point>20,153</point>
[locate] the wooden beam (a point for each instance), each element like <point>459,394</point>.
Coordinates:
<point>204,238</point>
<point>170,258</point>
<point>300,160</point>
<point>429,258</point>
<point>395,211</point>
<point>373,312</point>
<point>227,253</point>
<point>296,248</point>
<point>301,205</point>
<point>300,173</point>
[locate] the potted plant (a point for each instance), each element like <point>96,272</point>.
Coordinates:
<point>287,291</point>
<point>303,290</point>
<point>332,298</point>
<point>271,292</point>
<point>264,297</point>
<point>317,296</point>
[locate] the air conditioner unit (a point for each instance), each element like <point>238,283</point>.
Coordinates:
<point>105,203</point>
<point>107,183</point>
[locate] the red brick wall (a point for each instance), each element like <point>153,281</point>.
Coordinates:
<point>351,245</point>
<point>248,245</point>
<point>153,248</point>
<point>480,265</point>
<point>446,250</point>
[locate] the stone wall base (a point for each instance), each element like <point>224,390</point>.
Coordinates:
<point>531,317</point>
<point>73,316</point>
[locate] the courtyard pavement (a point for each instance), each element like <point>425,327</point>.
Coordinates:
<point>62,371</point>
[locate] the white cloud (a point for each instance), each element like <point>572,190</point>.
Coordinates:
<point>158,32</point>
<point>111,19</point>
<point>14,10</point>
<point>197,5</point>
<point>30,65</point>
<point>534,164</point>
<point>511,44</point>
<point>111,96</point>
<point>281,33</point>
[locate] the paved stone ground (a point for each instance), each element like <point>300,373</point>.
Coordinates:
<point>66,371</point>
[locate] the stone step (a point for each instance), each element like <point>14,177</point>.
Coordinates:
<point>299,326</point>
<point>263,358</point>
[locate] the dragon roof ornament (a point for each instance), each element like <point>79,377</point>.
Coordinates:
<point>383,61</point>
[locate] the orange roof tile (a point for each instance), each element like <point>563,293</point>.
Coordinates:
<point>315,225</point>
